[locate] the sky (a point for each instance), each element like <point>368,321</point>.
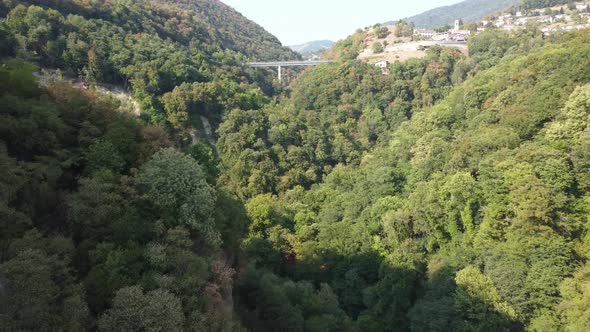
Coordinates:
<point>299,21</point>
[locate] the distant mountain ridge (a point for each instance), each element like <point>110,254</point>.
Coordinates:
<point>312,46</point>
<point>468,11</point>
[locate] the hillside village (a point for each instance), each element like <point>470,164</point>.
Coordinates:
<point>551,20</point>
<point>401,41</point>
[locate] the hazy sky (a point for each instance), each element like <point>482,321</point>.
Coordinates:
<point>300,21</point>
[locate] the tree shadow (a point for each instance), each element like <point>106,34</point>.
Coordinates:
<point>372,293</point>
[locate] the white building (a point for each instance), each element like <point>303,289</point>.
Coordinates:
<point>441,36</point>
<point>425,33</point>
<point>545,19</point>
<point>564,17</point>
<point>382,64</point>
<point>460,35</point>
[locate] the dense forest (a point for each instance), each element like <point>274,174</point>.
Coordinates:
<point>168,54</point>
<point>534,4</point>
<point>452,194</point>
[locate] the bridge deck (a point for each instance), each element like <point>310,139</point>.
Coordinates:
<point>288,63</point>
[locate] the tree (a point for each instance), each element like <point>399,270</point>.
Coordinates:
<point>580,157</point>
<point>7,41</point>
<point>575,306</point>
<point>153,139</point>
<point>103,155</point>
<point>404,29</point>
<point>176,184</point>
<point>478,304</point>
<point>205,155</point>
<point>573,120</point>
<point>179,106</point>
<point>382,32</point>
<point>39,293</point>
<point>93,69</point>
<point>134,310</point>
<point>377,47</point>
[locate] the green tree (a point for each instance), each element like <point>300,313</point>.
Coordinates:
<point>177,185</point>
<point>377,47</point>
<point>103,155</point>
<point>478,303</point>
<point>39,293</point>
<point>574,308</point>
<point>573,120</point>
<point>134,310</point>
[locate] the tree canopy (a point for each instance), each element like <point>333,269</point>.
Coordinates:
<point>451,193</point>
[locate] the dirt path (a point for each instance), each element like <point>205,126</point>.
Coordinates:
<point>208,130</point>
<point>47,76</point>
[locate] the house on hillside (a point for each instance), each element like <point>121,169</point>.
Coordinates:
<point>441,36</point>
<point>562,18</point>
<point>460,35</point>
<point>425,33</point>
<point>382,64</point>
<point>545,19</point>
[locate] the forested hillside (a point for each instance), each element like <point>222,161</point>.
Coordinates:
<point>450,193</point>
<point>170,54</point>
<point>417,202</point>
<point>532,4</point>
<point>108,221</point>
<point>316,46</point>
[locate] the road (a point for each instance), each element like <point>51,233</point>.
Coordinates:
<point>50,75</point>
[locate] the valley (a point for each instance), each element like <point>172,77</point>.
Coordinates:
<point>159,174</point>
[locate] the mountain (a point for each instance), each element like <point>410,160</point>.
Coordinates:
<point>312,47</point>
<point>468,11</point>
<point>233,30</point>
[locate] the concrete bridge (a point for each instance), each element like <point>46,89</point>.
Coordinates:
<point>280,64</point>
